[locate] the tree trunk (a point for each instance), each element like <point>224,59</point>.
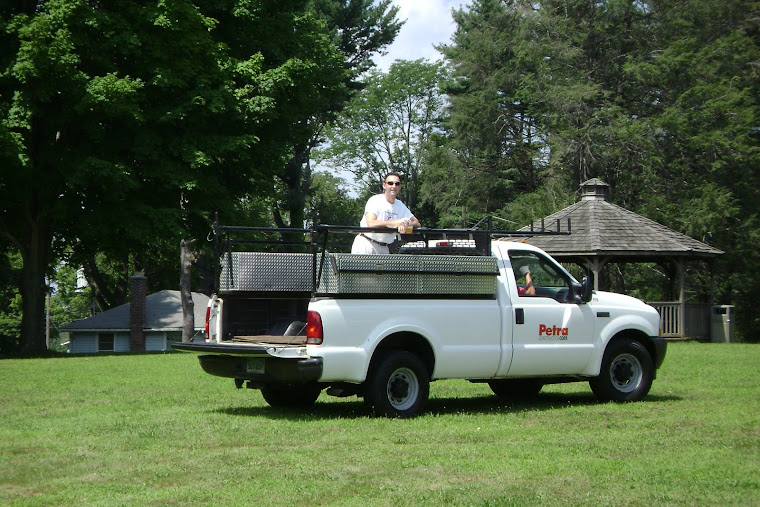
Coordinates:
<point>36,257</point>
<point>187,257</point>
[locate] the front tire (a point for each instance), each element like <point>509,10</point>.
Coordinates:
<point>298,395</point>
<point>398,386</point>
<point>626,374</point>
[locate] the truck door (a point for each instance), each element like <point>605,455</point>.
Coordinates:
<point>551,333</point>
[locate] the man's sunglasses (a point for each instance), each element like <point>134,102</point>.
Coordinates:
<point>391,183</point>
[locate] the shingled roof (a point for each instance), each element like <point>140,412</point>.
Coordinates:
<point>602,229</point>
<point>163,311</point>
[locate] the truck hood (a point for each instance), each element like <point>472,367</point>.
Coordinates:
<point>613,299</point>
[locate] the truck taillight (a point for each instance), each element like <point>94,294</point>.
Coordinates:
<point>313,328</point>
<point>208,319</point>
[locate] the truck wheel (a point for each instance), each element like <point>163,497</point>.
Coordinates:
<point>515,389</point>
<point>398,386</point>
<point>303,395</point>
<point>626,374</point>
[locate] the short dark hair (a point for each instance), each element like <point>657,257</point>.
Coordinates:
<point>392,173</point>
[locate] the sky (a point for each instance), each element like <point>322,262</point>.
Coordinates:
<point>428,22</point>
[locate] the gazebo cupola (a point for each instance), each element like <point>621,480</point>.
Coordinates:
<point>594,190</point>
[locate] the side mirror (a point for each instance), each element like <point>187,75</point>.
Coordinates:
<point>582,291</point>
<point>586,289</point>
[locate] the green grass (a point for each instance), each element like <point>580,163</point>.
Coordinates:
<point>155,429</point>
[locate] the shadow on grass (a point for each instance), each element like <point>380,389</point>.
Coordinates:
<point>478,405</point>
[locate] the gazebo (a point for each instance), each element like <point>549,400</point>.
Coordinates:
<point>603,232</point>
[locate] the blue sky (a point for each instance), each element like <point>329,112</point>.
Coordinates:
<point>428,22</point>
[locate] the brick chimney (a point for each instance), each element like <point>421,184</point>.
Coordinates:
<point>138,291</point>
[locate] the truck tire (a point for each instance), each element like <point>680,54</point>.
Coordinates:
<point>398,385</point>
<point>298,395</point>
<point>626,374</point>
<point>515,389</point>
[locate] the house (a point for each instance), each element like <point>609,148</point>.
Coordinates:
<point>120,329</point>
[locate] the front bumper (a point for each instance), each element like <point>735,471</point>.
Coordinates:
<point>660,348</point>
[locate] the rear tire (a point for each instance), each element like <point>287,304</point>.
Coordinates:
<point>296,395</point>
<point>626,374</point>
<point>516,389</point>
<point>398,386</point>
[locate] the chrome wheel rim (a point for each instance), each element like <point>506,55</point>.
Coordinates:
<point>403,389</point>
<point>626,373</point>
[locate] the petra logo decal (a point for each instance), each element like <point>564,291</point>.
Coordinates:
<point>552,332</point>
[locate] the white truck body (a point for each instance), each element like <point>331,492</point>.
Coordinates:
<point>388,347</point>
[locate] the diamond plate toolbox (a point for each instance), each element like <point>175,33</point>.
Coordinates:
<point>409,275</point>
<point>260,271</point>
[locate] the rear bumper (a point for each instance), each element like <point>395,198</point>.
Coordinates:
<point>269,370</point>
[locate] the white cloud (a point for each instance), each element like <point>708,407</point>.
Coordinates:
<point>428,23</point>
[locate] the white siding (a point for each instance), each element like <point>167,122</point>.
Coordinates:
<point>155,341</point>
<point>83,343</point>
<point>121,343</point>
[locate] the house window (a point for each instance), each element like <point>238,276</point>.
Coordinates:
<point>105,342</point>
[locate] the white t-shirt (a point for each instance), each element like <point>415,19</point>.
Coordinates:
<point>384,210</point>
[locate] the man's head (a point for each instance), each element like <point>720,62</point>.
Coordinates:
<point>391,186</point>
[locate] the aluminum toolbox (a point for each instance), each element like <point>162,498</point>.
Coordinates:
<point>260,271</point>
<point>422,275</point>
<point>360,275</point>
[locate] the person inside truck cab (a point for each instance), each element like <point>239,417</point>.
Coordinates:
<point>526,289</point>
<point>384,210</point>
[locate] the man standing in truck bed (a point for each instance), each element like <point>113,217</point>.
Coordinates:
<point>384,210</point>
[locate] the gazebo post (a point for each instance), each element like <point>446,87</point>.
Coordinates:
<point>682,296</point>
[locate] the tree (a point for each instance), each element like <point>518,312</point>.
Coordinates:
<point>386,127</point>
<point>359,29</point>
<point>494,150</point>
<point>123,126</point>
<point>659,99</point>
<point>330,201</point>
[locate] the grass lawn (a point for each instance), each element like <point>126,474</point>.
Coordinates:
<point>155,429</point>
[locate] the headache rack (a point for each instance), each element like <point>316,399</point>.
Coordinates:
<point>427,263</point>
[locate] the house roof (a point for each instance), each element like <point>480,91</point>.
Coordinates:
<point>600,228</point>
<point>163,312</point>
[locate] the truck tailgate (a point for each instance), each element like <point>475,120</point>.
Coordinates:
<point>249,345</point>
<point>260,362</point>
<point>231,348</point>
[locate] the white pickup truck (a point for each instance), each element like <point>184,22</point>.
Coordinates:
<point>383,327</point>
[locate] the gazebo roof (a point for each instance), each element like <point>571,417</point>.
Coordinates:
<point>602,229</point>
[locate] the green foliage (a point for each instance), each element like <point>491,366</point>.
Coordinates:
<point>10,303</point>
<point>659,99</point>
<point>495,145</point>
<point>124,126</point>
<point>357,29</point>
<point>330,200</point>
<point>387,126</point>
<point>156,429</point>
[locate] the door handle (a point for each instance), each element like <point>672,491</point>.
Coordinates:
<point>519,316</point>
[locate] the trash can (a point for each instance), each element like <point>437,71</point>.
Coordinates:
<point>722,323</point>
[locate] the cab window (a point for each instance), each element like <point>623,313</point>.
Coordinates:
<point>537,276</point>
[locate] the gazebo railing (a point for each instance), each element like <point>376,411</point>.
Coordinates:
<point>695,324</point>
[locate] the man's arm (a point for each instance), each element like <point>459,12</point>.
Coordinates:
<point>372,221</point>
